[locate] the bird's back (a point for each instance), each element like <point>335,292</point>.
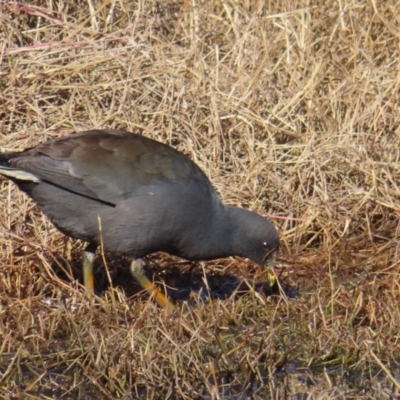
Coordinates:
<point>134,194</point>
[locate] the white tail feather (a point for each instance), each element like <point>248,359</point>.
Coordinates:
<point>18,174</point>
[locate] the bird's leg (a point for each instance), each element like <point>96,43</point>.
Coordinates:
<point>87,267</point>
<point>139,274</point>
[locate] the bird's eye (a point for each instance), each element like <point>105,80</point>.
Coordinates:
<point>265,245</point>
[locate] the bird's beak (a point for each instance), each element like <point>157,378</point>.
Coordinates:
<point>269,264</point>
<point>269,260</point>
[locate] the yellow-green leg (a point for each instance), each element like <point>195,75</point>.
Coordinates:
<point>87,269</point>
<point>139,274</point>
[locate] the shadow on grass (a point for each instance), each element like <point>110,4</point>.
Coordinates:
<point>182,280</point>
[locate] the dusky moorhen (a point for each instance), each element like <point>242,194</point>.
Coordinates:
<point>136,196</point>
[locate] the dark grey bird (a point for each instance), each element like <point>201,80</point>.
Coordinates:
<point>136,196</point>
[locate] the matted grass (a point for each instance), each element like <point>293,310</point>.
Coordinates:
<point>292,109</point>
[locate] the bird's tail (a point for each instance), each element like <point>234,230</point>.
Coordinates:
<point>15,174</point>
<point>4,158</point>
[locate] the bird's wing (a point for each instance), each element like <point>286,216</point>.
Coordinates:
<point>106,165</point>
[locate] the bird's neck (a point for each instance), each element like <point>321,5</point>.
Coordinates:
<point>219,240</point>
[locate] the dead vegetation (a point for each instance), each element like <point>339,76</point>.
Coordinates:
<point>292,109</point>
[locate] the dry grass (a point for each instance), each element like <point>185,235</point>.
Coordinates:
<point>292,109</point>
